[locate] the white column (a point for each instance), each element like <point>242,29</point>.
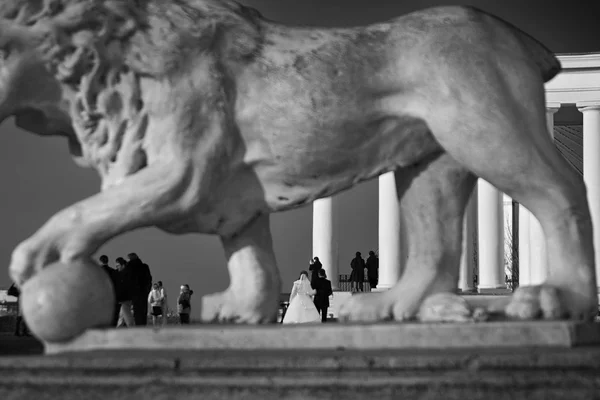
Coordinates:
<point>325,236</point>
<point>390,263</point>
<point>538,257</point>
<point>467,259</point>
<point>591,168</point>
<point>524,267</point>
<point>491,238</point>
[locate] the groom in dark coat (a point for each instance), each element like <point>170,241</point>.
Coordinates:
<point>323,287</point>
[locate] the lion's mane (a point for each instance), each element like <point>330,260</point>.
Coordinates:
<point>92,45</point>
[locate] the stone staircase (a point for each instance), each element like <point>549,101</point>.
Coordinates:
<point>498,360</point>
<point>545,364</point>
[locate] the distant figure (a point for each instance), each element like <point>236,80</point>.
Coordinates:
<point>314,267</point>
<point>301,310</point>
<point>165,305</point>
<point>113,274</point>
<point>21,328</point>
<point>373,269</point>
<point>124,293</point>
<point>322,285</point>
<point>184,304</point>
<point>357,276</point>
<point>142,284</point>
<point>156,299</point>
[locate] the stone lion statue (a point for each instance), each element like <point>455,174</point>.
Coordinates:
<point>203,116</point>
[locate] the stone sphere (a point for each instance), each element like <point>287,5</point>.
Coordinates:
<point>63,300</point>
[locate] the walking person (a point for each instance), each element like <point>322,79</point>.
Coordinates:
<point>184,304</point>
<point>323,287</point>
<point>301,310</point>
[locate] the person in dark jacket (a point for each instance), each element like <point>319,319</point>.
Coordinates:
<point>373,269</point>
<point>314,268</point>
<point>123,290</point>
<point>184,304</point>
<point>142,284</point>
<point>113,274</point>
<point>357,276</point>
<point>323,287</point>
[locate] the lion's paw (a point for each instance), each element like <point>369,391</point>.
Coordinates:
<point>447,307</point>
<point>229,307</point>
<point>549,301</point>
<point>28,259</point>
<point>369,307</point>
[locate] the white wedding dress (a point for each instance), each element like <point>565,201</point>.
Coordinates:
<point>301,310</point>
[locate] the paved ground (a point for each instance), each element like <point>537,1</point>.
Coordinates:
<point>11,345</point>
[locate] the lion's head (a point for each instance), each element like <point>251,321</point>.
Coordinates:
<point>62,60</point>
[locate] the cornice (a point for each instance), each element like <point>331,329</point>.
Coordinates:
<point>588,105</point>
<point>579,60</point>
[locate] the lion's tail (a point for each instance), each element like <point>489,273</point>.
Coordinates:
<point>549,66</point>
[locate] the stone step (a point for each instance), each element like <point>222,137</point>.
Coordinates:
<point>390,335</point>
<point>472,373</point>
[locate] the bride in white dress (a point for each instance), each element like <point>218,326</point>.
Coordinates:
<point>302,310</point>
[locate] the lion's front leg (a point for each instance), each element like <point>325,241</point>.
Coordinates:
<point>253,293</point>
<point>434,196</point>
<point>149,197</point>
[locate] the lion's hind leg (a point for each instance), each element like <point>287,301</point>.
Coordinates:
<point>503,138</point>
<point>253,293</point>
<point>433,195</point>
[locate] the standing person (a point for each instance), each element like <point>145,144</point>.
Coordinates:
<point>323,287</point>
<point>165,306</point>
<point>21,328</point>
<point>114,279</point>
<point>124,293</point>
<point>184,304</point>
<point>314,267</point>
<point>357,276</point>
<point>142,284</point>
<point>373,269</point>
<point>156,299</point>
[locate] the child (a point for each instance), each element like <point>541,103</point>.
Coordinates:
<point>184,304</point>
<point>156,299</point>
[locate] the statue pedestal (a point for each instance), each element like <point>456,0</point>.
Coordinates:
<point>532,360</point>
<point>339,336</point>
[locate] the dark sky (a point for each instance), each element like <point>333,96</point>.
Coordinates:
<point>39,178</point>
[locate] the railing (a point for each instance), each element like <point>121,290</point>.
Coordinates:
<point>345,285</point>
<point>9,308</point>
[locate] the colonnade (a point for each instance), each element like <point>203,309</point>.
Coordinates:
<point>484,232</point>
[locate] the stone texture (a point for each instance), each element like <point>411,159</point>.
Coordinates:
<point>342,336</point>
<point>475,373</point>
